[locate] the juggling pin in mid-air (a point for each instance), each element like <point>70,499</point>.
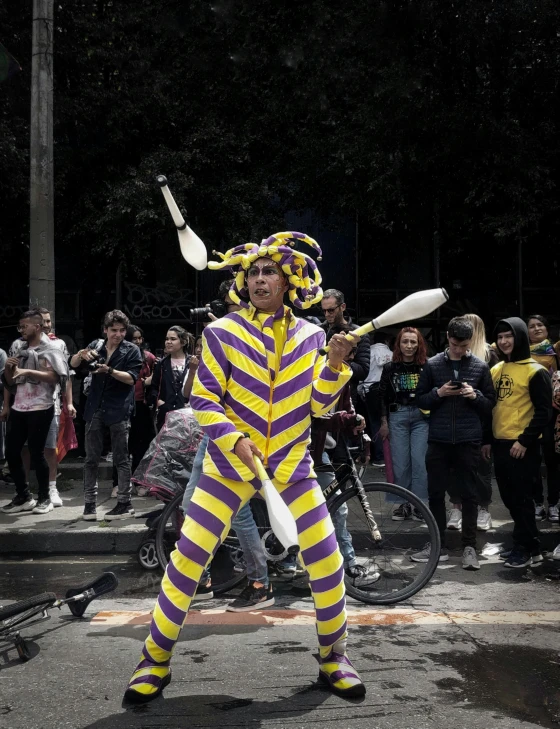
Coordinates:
<point>192,248</point>
<point>281,520</point>
<point>415,306</point>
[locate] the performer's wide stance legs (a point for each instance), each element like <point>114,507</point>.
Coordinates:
<point>215,502</point>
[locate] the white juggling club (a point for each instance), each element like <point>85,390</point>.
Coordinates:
<point>414,306</point>
<point>192,248</point>
<point>281,520</point>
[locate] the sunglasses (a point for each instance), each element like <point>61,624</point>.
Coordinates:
<point>331,311</point>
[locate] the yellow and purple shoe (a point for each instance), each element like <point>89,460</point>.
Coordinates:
<point>340,675</point>
<point>147,682</point>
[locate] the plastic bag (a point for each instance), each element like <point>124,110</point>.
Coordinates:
<point>167,464</point>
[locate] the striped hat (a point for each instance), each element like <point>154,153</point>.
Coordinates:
<point>300,269</point>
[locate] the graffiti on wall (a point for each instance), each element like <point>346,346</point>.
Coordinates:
<point>165,302</point>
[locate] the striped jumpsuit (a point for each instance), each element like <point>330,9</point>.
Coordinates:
<point>260,374</point>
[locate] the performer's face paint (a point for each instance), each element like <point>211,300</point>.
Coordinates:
<point>267,285</point>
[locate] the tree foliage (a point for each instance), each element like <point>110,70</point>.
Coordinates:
<point>418,116</point>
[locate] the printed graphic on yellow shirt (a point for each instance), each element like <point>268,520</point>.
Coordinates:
<point>504,387</point>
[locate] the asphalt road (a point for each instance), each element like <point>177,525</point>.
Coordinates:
<point>471,650</point>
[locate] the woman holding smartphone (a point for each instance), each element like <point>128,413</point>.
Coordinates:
<point>401,420</point>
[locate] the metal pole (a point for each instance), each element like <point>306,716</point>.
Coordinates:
<point>41,241</point>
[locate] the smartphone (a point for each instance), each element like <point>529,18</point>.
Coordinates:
<point>456,385</point>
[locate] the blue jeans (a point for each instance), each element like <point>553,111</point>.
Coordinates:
<point>408,433</point>
<point>243,523</point>
<point>339,520</point>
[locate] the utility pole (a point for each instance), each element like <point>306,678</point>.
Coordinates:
<point>41,240</point>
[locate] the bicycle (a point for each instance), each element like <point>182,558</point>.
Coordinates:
<point>383,546</point>
<point>22,614</point>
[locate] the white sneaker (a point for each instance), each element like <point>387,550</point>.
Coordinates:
<point>115,492</point>
<point>483,520</point>
<point>43,507</point>
<point>470,560</point>
<point>424,554</point>
<point>553,513</point>
<point>455,519</point>
<point>54,496</point>
<point>556,553</point>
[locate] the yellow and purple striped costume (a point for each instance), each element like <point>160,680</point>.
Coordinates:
<point>260,374</point>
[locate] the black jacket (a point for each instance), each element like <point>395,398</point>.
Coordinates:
<point>360,364</point>
<point>456,419</point>
<point>164,387</point>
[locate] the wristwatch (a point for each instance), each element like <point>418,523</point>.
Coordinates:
<point>110,370</point>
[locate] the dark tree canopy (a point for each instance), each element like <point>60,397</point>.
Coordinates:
<point>419,117</point>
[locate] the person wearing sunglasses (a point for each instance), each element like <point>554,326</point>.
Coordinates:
<point>334,306</point>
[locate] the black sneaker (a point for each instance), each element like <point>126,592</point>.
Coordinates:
<point>204,591</point>
<point>123,510</point>
<point>401,512</point>
<point>19,503</point>
<point>518,558</point>
<point>90,512</point>
<point>252,598</point>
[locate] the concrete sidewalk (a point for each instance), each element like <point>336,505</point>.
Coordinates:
<point>62,531</point>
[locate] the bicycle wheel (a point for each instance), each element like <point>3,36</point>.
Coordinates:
<point>227,568</point>
<point>389,575</point>
<point>25,609</point>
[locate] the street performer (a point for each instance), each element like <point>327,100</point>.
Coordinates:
<point>261,374</point>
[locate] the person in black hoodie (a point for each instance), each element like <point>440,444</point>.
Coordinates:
<point>523,409</point>
<point>456,387</point>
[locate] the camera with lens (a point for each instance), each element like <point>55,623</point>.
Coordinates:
<point>92,366</point>
<point>217,307</point>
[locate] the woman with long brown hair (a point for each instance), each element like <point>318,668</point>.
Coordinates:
<point>401,420</point>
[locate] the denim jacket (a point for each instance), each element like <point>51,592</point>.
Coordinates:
<point>112,398</point>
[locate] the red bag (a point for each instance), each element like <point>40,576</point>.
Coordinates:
<point>67,440</point>
<point>388,461</point>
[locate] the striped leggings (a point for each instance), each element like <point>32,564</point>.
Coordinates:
<point>215,502</point>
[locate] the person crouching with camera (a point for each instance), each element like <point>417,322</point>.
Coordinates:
<point>114,366</point>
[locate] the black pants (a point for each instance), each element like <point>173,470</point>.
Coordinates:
<point>515,477</point>
<point>33,427</point>
<point>483,485</point>
<point>443,461</point>
<point>142,432</point>
<point>552,469</point>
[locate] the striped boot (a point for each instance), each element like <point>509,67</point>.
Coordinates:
<point>339,674</point>
<point>147,682</point>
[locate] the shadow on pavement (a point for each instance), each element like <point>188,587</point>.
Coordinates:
<point>217,710</point>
